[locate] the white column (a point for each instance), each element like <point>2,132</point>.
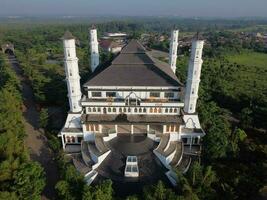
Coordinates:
<point>116,128</point>
<point>63,143</point>
<point>147,128</point>
<point>193,76</point>
<point>164,128</point>
<point>72,72</point>
<point>132,129</point>
<point>173,49</point>
<point>94,49</point>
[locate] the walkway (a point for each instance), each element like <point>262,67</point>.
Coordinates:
<point>35,141</point>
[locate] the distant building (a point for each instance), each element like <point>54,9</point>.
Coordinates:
<point>111,46</point>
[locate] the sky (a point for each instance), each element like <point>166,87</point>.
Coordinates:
<point>183,8</point>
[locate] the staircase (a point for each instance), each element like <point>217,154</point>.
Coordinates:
<point>172,156</point>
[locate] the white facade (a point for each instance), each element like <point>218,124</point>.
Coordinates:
<point>94,49</point>
<point>133,101</point>
<point>173,49</point>
<point>72,75</point>
<point>193,76</point>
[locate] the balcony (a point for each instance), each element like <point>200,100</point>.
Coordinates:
<point>122,102</point>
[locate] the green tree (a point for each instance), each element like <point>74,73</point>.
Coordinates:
<point>102,191</point>
<point>29,181</point>
<point>64,190</point>
<point>43,118</point>
<point>246,118</point>
<point>158,192</point>
<point>197,182</point>
<point>236,137</point>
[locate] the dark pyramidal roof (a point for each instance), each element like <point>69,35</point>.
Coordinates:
<point>68,36</point>
<point>134,67</point>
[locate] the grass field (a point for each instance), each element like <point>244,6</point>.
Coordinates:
<point>255,28</point>
<point>251,73</point>
<point>249,58</point>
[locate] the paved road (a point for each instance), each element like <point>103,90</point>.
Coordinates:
<point>35,141</point>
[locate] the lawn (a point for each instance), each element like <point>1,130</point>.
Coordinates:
<point>251,74</point>
<point>249,58</point>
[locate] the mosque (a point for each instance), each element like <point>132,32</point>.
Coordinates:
<point>135,107</point>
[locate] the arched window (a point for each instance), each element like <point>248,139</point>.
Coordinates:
<point>104,110</point>
<point>109,109</point>
<point>129,110</point>
<point>94,109</point>
<point>124,110</point>
<point>140,110</point>
<point>98,109</point>
<point>135,110</point>
<point>171,110</point>
<point>151,110</point>
<point>114,109</point>
<point>159,110</point>
<point>89,109</point>
<point>155,110</point>
<point>68,139</point>
<point>175,110</point>
<point>166,110</point>
<point>144,110</point>
<point>120,110</point>
<point>72,139</point>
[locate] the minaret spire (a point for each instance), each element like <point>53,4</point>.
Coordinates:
<point>72,72</point>
<point>94,48</point>
<point>193,75</point>
<point>173,49</point>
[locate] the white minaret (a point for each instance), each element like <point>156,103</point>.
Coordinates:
<point>173,49</point>
<point>72,72</point>
<point>94,49</point>
<point>193,76</point>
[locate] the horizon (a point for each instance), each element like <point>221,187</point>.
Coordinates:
<point>101,8</point>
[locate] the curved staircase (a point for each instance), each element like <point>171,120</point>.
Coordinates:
<point>93,153</point>
<point>172,156</point>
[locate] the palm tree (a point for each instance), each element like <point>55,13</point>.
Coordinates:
<point>197,183</point>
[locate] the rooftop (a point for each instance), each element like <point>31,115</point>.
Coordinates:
<point>68,36</point>
<point>134,66</point>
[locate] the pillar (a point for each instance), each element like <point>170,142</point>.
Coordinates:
<point>193,76</point>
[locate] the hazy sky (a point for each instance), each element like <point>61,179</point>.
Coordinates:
<point>185,8</point>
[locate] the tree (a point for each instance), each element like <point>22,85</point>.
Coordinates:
<point>8,195</point>
<point>43,118</point>
<point>29,181</point>
<point>158,192</point>
<point>237,136</point>
<point>246,118</point>
<point>197,182</point>
<point>102,191</point>
<point>64,190</point>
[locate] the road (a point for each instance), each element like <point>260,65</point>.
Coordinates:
<point>35,140</point>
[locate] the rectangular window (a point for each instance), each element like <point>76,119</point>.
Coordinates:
<point>96,94</point>
<point>154,94</point>
<point>79,139</point>
<point>169,95</point>
<point>111,94</point>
